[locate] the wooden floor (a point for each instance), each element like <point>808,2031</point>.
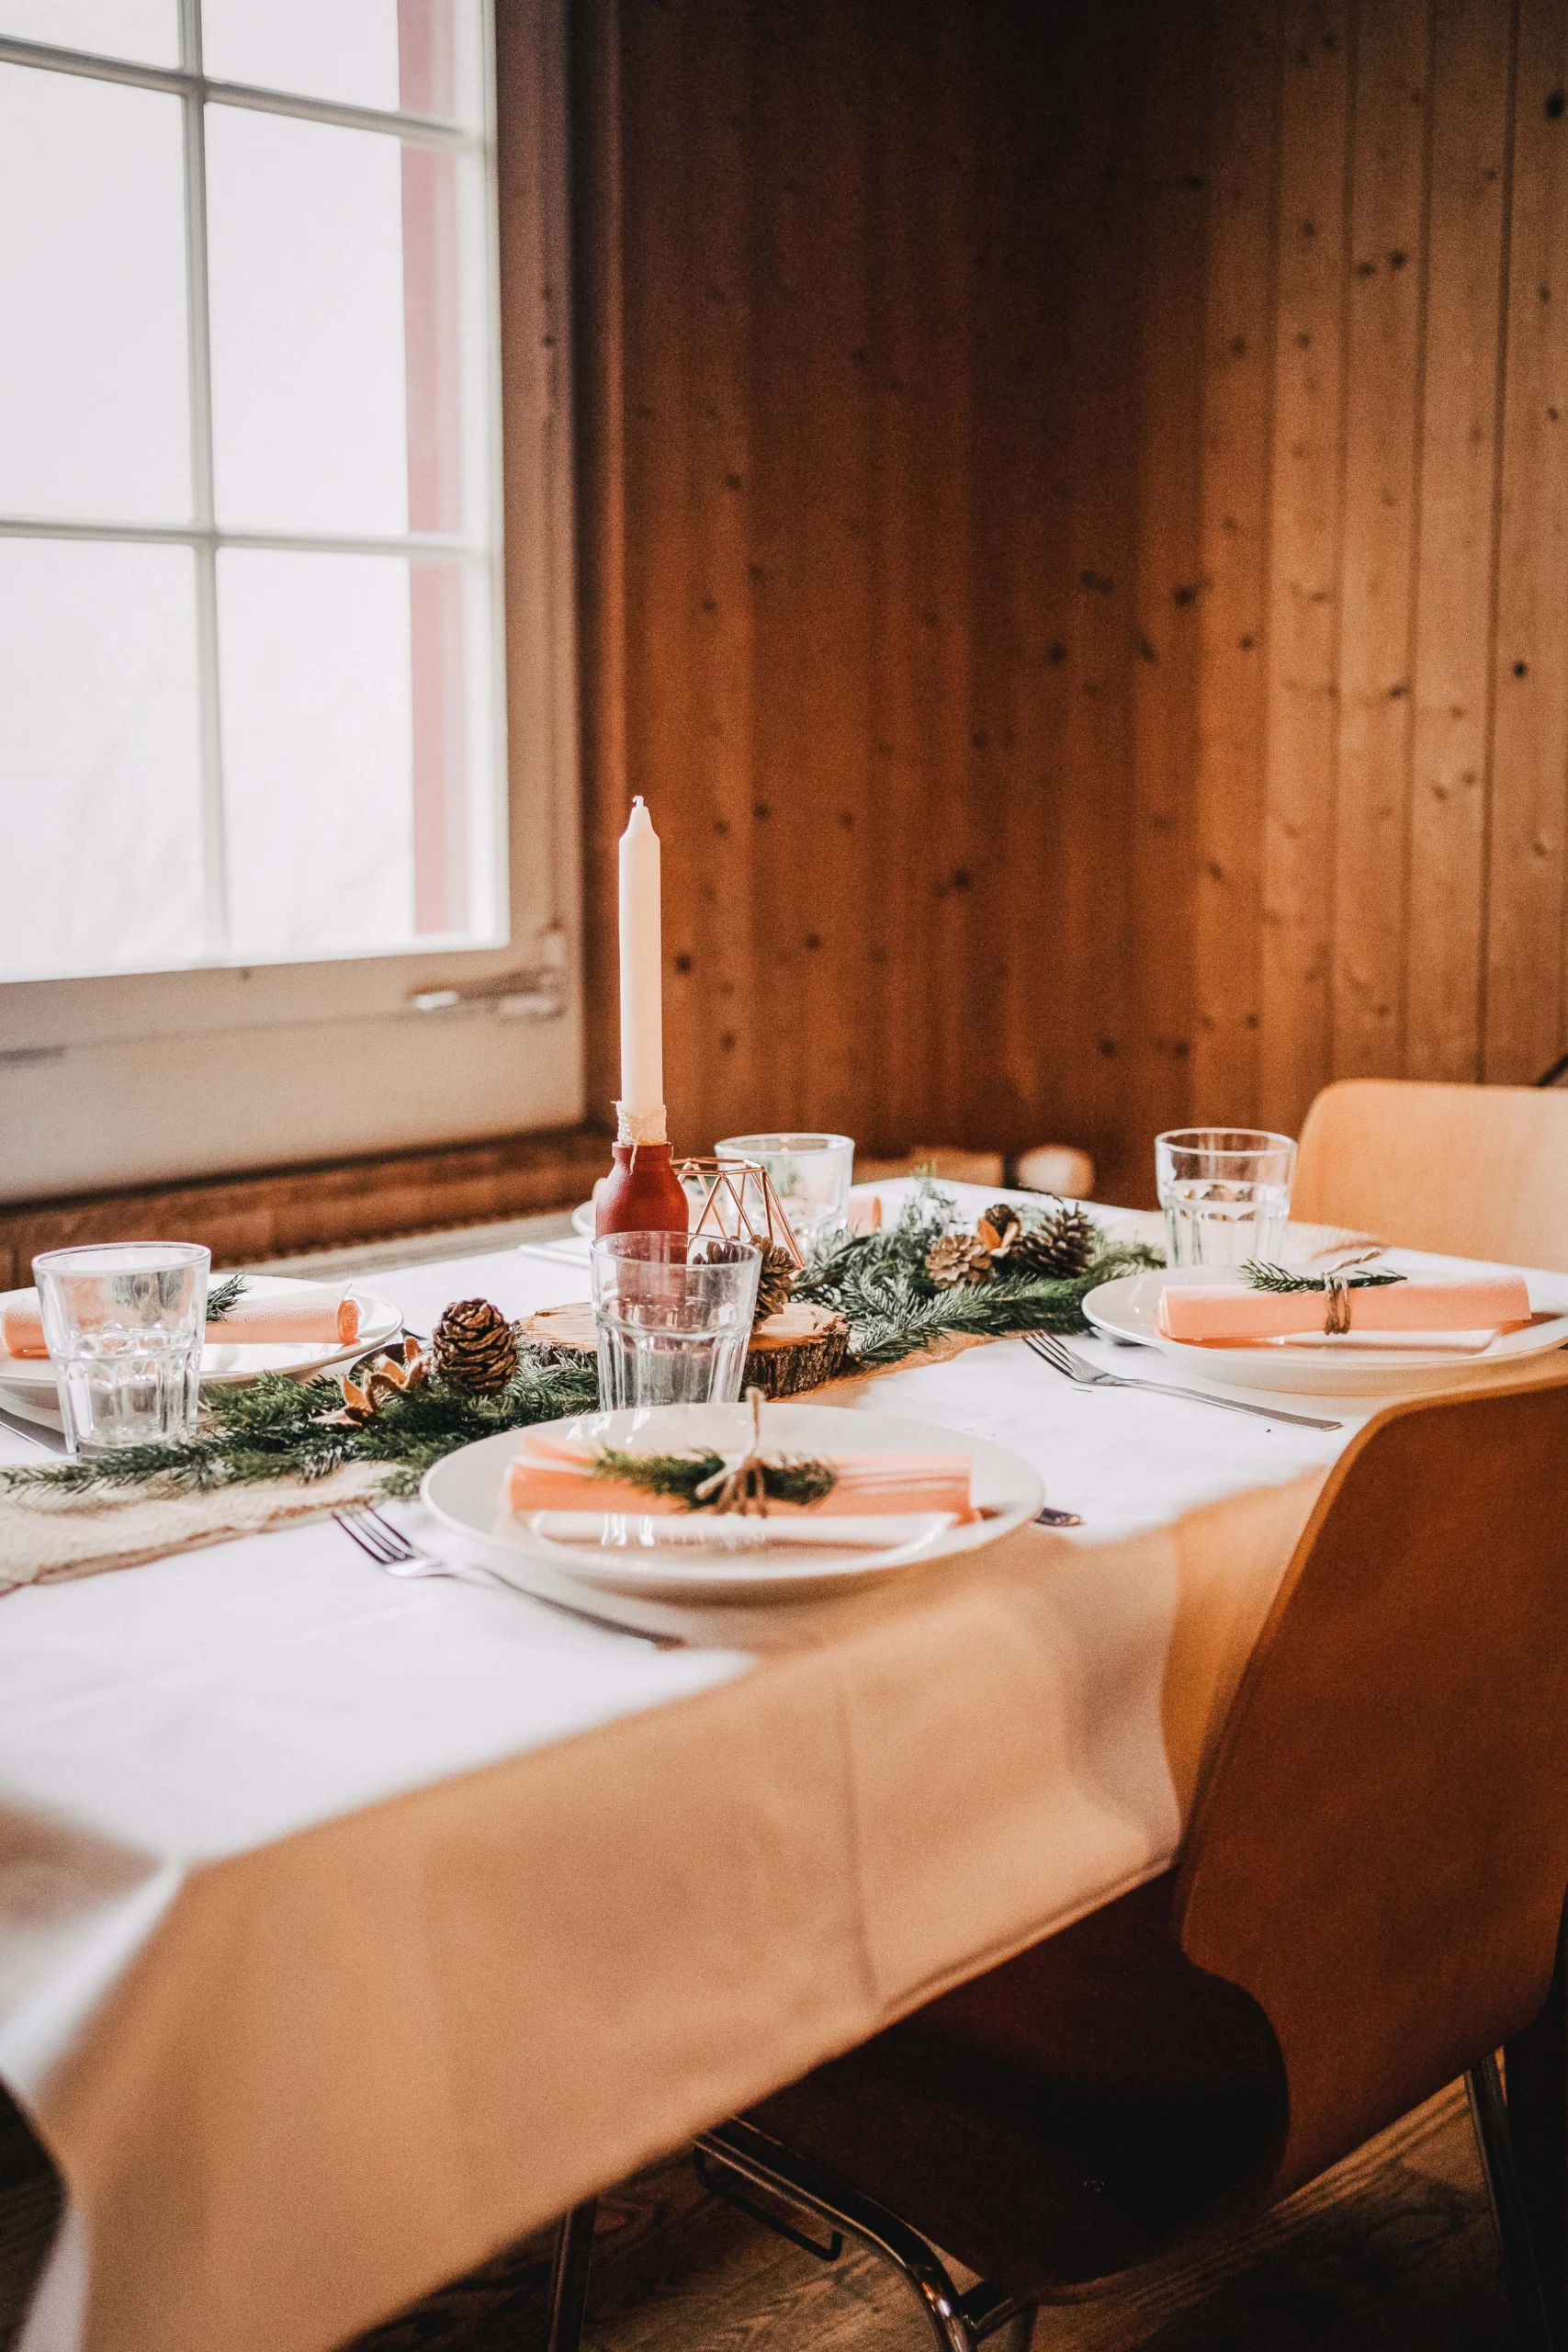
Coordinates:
<point>1391,2253</point>
<point>1395,2249</point>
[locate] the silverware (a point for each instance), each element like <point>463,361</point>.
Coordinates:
<point>36,1433</point>
<point>391,1549</point>
<point>1049,1518</point>
<point>1061,1358</point>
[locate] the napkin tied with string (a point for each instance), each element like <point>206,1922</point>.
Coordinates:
<point>553,1473</point>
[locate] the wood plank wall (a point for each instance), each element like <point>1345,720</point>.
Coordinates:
<point>1076,520</point>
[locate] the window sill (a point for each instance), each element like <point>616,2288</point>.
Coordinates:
<point>287,1212</point>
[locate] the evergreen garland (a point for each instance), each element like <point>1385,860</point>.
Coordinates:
<point>878,1283</point>
<point>275,1429</point>
<point>281,1428</point>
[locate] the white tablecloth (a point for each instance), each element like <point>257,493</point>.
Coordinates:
<point>155,1721</point>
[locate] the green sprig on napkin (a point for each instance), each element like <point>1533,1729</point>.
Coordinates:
<point>1261,1275</point>
<point>681,1477</point>
<point>224,1296</point>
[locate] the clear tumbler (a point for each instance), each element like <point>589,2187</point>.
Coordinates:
<point>124,1323</point>
<point>673,1314</point>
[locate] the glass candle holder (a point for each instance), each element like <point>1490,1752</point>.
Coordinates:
<point>124,1323</point>
<point>673,1315</point>
<point>810,1174</point>
<point>1225,1192</point>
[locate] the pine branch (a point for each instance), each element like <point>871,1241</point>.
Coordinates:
<point>1261,1275</point>
<point>790,1479</point>
<point>224,1296</point>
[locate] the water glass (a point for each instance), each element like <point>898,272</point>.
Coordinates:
<point>673,1315</point>
<point>1225,1192</point>
<point>810,1174</point>
<point>124,1323</point>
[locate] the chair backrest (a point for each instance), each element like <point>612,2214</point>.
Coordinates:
<point>1481,1172</point>
<point>1379,1851</point>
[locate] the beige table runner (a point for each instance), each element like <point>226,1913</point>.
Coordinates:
<point>48,1536</point>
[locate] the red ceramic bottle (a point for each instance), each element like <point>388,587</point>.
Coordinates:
<point>643,1193</point>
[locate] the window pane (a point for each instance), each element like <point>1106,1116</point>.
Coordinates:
<point>354,715</point>
<point>348,329</point>
<point>94,391</point>
<point>315,666</point>
<point>305,240</point>
<point>147,30</point>
<point>100,803</point>
<point>418,55</point>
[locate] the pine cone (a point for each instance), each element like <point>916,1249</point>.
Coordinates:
<point>1058,1249</point>
<point>958,1257</point>
<point>775,1283</point>
<point>475,1347</point>
<point>1000,1229</point>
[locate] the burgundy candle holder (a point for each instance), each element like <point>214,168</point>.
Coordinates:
<point>642,1193</point>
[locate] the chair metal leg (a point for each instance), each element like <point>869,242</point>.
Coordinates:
<point>959,2323</point>
<point>1536,2063</point>
<point>1494,2144</point>
<point>569,2276</point>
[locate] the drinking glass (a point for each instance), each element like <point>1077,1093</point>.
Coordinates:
<point>809,1173</point>
<point>124,1322</point>
<point>673,1315</point>
<point>1225,1192</point>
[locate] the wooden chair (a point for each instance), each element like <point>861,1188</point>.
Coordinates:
<point>1479,1172</point>
<point>1368,1903</point>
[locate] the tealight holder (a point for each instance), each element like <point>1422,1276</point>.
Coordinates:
<point>738,1200</point>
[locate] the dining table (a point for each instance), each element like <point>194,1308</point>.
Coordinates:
<point>353,1925</point>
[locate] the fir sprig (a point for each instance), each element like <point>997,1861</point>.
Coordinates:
<point>224,1296</point>
<point>677,1476</point>
<point>1262,1276</point>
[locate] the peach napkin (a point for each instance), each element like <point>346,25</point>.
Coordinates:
<point>1209,1315</point>
<point>328,1315</point>
<point>556,1473</point>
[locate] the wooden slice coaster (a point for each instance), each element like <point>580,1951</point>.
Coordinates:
<point>797,1348</point>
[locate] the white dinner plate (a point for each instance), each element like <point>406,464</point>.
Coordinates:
<point>1128,1309</point>
<point>467,1491</point>
<point>27,1383</point>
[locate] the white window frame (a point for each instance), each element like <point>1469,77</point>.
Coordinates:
<point>142,1077</point>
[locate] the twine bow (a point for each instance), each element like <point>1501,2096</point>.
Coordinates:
<point>740,1484</point>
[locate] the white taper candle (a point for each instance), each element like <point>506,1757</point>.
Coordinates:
<point>641,1105</point>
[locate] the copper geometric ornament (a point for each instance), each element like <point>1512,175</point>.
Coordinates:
<point>740,1204</point>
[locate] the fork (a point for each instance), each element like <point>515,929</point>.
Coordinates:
<point>1050,1351</point>
<point>391,1549</point>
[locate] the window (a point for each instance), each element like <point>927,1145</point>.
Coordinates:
<point>254,775</point>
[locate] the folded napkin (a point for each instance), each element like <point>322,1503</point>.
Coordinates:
<point>316,1314</point>
<point>553,1472</point>
<point>1212,1316</point>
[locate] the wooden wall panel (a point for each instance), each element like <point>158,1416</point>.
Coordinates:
<point>1525,898</point>
<point>1075,536</point>
<point>1382,456</point>
<point>1456,576</point>
<point>1306,492</point>
<point>1236,410</point>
